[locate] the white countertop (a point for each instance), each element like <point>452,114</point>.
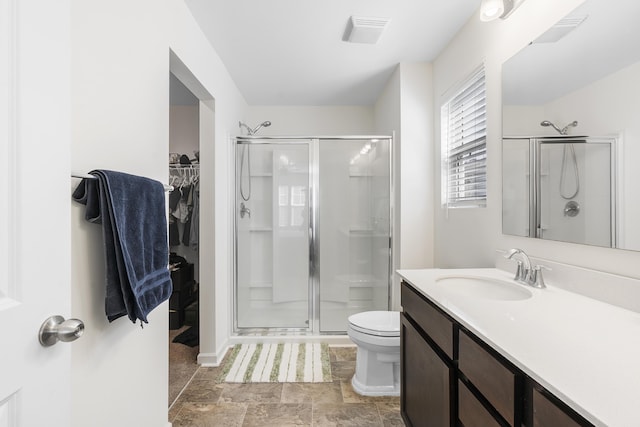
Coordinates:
<point>584,351</point>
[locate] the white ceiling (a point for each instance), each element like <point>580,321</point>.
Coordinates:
<point>290,52</point>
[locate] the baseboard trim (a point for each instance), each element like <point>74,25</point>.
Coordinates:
<point>212,360</point>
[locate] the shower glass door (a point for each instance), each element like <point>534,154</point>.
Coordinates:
<point>272,235</point>
<point>354,218</point>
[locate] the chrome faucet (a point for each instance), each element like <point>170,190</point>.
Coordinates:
<point>526,273</point>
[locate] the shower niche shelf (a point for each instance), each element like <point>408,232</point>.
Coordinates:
<point>360,230</point>
<point>261,285</point>
<point>261,229</point>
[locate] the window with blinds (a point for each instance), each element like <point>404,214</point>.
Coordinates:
<point>464,145</point>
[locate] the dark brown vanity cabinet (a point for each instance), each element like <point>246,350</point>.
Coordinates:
<point>427,369</point>
<point>548,411</point>
<point>451,378</point>
<point>497,383</point>
<point>426,386</point>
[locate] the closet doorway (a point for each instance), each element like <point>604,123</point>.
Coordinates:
<point>184,235</point>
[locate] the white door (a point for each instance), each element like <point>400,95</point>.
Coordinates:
<point>34,210</point>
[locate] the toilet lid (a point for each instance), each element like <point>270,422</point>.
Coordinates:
<point>379,323</point>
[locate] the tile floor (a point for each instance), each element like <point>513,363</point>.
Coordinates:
<point>206,402</point>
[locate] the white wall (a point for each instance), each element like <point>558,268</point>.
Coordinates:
<point>311,120</point>
<point>120,109</point>
<point>184,138</point>
<point>470,237</point>
<point>404,108</point>
<point>184,129</point>
<point>416,176</point>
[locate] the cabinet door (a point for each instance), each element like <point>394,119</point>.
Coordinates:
<point>471,412</point>
<point>426,381</point>
<point>547,414</point>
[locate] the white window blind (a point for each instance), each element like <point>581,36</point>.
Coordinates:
<point>464,145</point>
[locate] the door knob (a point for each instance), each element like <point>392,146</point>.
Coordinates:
<point>55,329</point>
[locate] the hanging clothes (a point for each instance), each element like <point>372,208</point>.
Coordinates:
<point>183,205</point>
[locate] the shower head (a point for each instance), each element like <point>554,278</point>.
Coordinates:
<point>256,129</point>
<point>265,124</point>
<point>547,123</point>
<point>570,125</point>
<point>562,131</point>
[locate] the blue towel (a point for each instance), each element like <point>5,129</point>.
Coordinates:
<point>131,210</point>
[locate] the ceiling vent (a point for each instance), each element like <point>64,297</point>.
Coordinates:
<point>561,29</point>
<point>365,30</point>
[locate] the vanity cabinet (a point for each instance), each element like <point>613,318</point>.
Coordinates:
<point>450,377</point>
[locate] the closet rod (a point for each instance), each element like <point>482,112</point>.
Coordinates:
<point>168,188</point>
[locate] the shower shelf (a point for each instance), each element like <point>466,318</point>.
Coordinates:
<point>261,175</point>
<point>261,285</point>
<point>360,230</point>
<point>361,175</point>
<point>260,229</point>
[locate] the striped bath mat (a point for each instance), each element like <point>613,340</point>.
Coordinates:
<point>291,362</point>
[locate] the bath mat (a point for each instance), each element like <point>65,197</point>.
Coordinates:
<point>190,337</point>
<point>278,363</point>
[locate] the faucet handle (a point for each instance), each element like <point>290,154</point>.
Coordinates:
<point>537,279</point>
<point>520,272</point>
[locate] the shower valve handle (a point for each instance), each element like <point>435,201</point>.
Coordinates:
<point>244,210</point>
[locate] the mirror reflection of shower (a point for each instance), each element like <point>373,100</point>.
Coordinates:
<point>246,152</point>
<point>563,170</point>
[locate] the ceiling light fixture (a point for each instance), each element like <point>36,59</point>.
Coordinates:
<point>365,30</point>
<point>494,9</point>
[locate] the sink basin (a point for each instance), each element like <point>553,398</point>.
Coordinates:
<point>485,287</point>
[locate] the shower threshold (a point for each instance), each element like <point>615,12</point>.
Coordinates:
<point>289,336</point>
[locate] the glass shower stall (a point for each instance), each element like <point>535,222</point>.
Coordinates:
<point>313,229</point>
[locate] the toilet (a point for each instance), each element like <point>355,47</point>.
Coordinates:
<point>377,335</point>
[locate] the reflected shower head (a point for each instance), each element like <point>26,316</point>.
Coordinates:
<point>265,124</point>
<point>256,129</point>
<point>547,123</point>
<point>570,125</point>
<point>562,131</point>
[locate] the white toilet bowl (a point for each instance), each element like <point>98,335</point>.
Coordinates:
<point>377,335</point>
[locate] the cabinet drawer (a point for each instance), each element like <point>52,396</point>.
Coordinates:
<point>429,318</point>
<point>548,414</point>
<point>471,412</point>
<point>495,381</point>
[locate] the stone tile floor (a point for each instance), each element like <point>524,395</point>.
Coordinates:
<point>207,402</point>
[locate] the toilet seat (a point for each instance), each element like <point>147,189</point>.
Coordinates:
<point>376,323</point>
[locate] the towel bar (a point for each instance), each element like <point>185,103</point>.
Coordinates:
<point>168,188</point>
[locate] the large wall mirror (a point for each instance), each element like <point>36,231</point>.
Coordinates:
<point>571,130</point>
